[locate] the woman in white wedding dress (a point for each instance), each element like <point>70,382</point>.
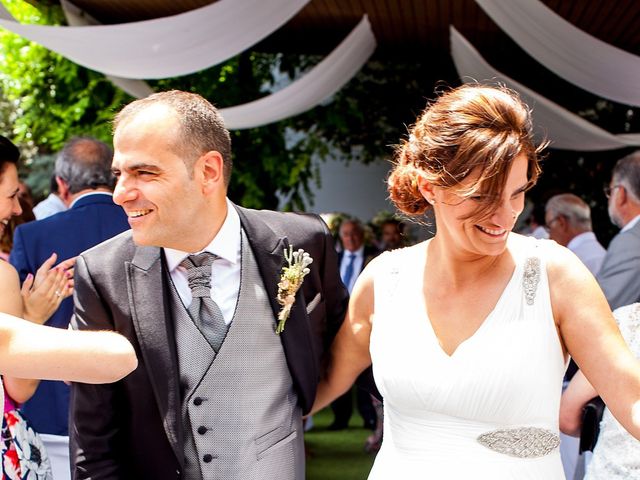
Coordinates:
<point>469,332</point>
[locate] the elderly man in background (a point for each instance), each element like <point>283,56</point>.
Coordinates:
<point>355,255</point>
<point>568,219</point>
<point>85,183</point>
<point>619,276</point>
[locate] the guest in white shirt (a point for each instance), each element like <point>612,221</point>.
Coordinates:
<point>52,204</point>
<point>568,219</point>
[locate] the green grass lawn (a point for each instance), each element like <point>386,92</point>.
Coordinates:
<point>337,455</point>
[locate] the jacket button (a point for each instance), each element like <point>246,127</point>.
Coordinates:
<point>197,401</point>
<point>202,429</point>
<point>207,458</point>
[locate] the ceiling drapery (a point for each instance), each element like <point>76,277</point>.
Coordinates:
<point>164,47</point>
<point>76,18</point>
<point>321,82</point>
<point>564,129</point>
<point>569,52</point>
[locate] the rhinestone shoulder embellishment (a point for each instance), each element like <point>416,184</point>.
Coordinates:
<point>523,442</point>
<point>531,279</point>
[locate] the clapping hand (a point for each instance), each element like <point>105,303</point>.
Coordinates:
<point>43,294</point>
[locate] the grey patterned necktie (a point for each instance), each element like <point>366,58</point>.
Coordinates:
<point>203,310</point>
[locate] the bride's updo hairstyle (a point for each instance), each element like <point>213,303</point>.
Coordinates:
<point>470,128</point>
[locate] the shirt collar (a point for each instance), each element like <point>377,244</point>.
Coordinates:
<point>631,224</point>
<point>357,253</point>
<point>226,243</point>
<point>55,199</point>
<point>580,239</point>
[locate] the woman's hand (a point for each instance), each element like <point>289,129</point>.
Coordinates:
<point>43,294</point>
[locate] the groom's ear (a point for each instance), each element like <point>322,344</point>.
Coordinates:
<point>210,168</point>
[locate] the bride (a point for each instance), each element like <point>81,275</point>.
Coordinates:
<point>469,332</point>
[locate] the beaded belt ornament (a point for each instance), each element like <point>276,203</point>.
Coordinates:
<point>523,442</point>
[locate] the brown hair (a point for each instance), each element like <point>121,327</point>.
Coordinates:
<point>201,125</point>
<point>469,128</point>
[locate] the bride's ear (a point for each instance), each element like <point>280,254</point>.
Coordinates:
<point>426,189</point>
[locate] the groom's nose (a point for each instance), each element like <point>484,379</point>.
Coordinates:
<point>123,191</point>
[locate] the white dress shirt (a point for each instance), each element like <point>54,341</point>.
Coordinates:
<point>225,271</point>
<point>357,265</point>
<point>49,206</point>
<point>588,249</point>
<point>631,224</point>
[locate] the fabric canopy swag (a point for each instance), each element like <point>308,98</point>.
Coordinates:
<point>569,52</point>
<point>564,129</point>
<point>195,40</point>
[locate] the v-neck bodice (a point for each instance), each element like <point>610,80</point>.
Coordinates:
<point>495,311</point>
<point>507,374</point>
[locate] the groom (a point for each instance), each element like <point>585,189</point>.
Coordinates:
<point>194,285</point>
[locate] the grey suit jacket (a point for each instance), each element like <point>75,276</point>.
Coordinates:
<point>619,276</point>
<point>132,428</point>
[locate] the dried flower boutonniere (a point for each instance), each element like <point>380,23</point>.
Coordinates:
<point>290,282</point>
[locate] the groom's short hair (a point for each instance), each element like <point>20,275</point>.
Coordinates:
<point>201,125</point>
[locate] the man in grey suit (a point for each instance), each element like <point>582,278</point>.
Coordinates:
<point>218,393</point>
<point>619,276</point>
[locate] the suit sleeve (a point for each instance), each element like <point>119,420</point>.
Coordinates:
<point>18,257</point>
<point>619,276</point>
<point>93,422</point>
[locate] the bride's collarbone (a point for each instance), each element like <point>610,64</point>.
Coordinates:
<point>456,314</point>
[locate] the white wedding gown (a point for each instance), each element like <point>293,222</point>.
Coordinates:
<point>501,386</point>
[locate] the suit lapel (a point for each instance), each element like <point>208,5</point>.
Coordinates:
<point>268,248</point>
<point>153,326</point>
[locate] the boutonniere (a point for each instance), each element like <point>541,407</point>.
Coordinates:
<point>291,280</point>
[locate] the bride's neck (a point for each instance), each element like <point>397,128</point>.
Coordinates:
<point>458,268</point>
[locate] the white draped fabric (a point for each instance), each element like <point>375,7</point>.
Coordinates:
<point>324,80</point>
<point>75,17</point>
<point>564,129</point>
<point>321,82</point>
<point>165,47</point>
<point>569,52</point>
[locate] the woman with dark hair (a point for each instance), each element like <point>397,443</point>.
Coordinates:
<point>28,350</point>
<point>469,332</point>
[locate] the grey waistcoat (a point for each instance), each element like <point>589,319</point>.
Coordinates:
<point>239,410</point>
